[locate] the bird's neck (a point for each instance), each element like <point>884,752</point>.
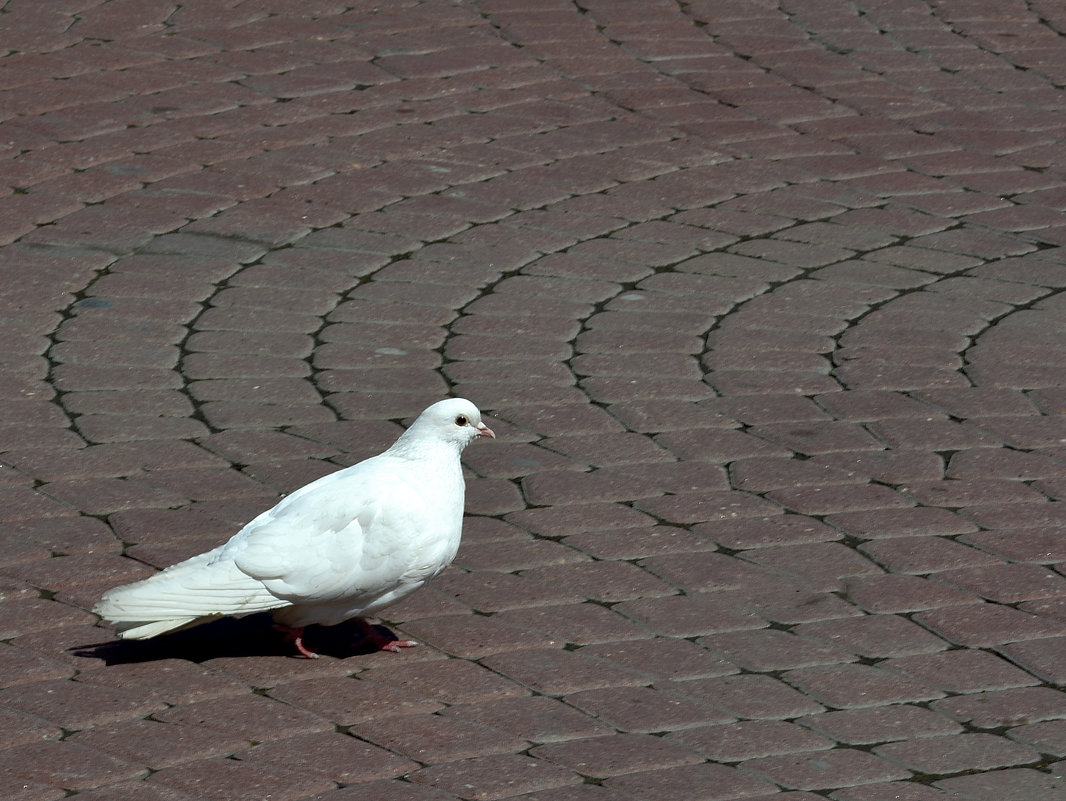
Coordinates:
<point>413,447</point>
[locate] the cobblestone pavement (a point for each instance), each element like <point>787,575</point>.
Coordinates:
<point>765,300</point>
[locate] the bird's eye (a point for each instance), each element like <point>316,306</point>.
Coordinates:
<point>462,420</point>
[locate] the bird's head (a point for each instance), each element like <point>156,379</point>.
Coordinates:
<point>454,420</point>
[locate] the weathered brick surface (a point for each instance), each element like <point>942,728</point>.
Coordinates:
<point>765,301</point>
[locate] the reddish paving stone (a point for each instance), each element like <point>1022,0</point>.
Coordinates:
<point>817,437</point>
<point>994,709</point>
<point>544,489</point>
<point>955,493</point>
<point>984,625</point>
<point>1042,656</point>
<point>538,719</point>
<point>767,382</point>
<point>1046,737</point>
<point>1016,782</point>
<point>1027,432</point>
<point>939,435</point>
<point>662,658</point>
<point>23,503</point>
<point>174,680</point>
<point>346,701</point>
<point>19,729</point>
<point>692,615</point>
<point>580,624</point>
<point>791,603</point>
<point>641,709</point>
<point>105,496</point>
<point>495,776</point>
<point>576,518</point>
<point>617,755</point>
<point>133,790</point>
<point>821,565</point>
<point>1024,515</point>
<point>716,445</point>
<point>880,724</point>
<point>979,402</point>
<point>653,416</point>
<point>252,717</point>
<point>495,592</point>
<point>602,450</point>
<point>427,603</point>
<point>437,739</point>
<point>31,615</point>
<point>891,467</point>
<point>1052,487</point>
<point>604,581</point>
<point>688,509</point>
<point>854,686</point>
<point>957,753</point>
<point>863,406</point>
<point>561,672</point>
<point>883,376</point>
<point>768,409</point>
<point>233,779</point>
<point>1051,607</point>
<point>65,765</point>
<point>158,745</point>
<point>449,681</point>
<point>962,671</point>
<point>827,500</point>
<point>786,529</point>
<point>516,552</point>
<point>78,705</point>
<point>901,593</point>
<point>638,543</point>
<point>875,636</point>
<point>926,554</point>
<point>386,790</point>
<point>840,767</point>
<point>897,791</point>
<point>1007,583</point>
<point>676,784</point>
<point>474,636</point>
<point>1036,545</point>
<point>760,475</point>
<point>767,650</point>
<point>751,739</point>
<point>753,696</point>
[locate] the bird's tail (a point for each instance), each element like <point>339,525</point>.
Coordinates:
<point>187,594</point>
<point>135,630</point>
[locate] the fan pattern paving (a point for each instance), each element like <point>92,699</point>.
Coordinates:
<point>763,299</point>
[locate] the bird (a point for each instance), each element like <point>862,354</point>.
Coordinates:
<point>339,548</point>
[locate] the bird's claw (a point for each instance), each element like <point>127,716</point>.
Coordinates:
<point>394,646</point>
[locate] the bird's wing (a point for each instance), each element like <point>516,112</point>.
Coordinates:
<point>356,535</point>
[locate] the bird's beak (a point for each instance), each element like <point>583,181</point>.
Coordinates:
<point>484,431</point>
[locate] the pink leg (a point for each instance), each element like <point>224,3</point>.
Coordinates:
<point>379,640</point>
<point>295,635</point>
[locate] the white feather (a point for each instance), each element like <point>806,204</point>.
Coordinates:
<point>345,545</point>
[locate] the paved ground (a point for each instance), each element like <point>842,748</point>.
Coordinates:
<point>765,299</point>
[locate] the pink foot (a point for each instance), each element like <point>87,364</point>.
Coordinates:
<point>295,635</point>
<point>373,635</point>
<point>394,646</point>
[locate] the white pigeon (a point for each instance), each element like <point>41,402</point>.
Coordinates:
<point>341,547</point>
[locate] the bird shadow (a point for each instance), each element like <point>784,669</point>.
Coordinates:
<point>250,636</point>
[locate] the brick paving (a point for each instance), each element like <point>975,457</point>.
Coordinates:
<point>764,298</point>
